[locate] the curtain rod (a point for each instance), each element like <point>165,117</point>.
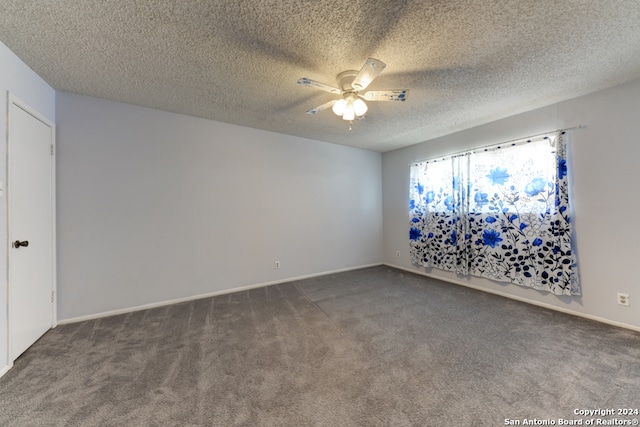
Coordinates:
<point>500,143</point>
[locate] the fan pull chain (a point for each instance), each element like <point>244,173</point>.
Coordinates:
<point>350,125</point>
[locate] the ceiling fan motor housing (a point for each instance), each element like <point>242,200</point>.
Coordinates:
<point>345,79</point>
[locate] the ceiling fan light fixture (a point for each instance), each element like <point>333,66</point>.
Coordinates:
<point>339,107</point>
<point>360,107</point>
<point>349,113</point>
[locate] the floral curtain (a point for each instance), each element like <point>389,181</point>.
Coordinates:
<point>500,213</point>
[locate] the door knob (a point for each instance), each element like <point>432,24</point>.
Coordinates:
<point>18,243</point>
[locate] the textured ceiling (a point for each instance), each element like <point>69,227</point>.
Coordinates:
<point>465,62</point>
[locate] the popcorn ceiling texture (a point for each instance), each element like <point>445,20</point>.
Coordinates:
<point>466,62</point>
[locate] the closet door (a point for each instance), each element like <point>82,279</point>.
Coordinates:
<point>30,196</point>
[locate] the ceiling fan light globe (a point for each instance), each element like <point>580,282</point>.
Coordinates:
<point>359,107</point>
<point>349,113</point>
<point>339,107</point>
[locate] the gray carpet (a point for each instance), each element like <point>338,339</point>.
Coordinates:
<point>372,347</point>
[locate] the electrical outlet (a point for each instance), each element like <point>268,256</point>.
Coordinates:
<point>277,264</point>
<point>398,254</point>
<point>623,299</point>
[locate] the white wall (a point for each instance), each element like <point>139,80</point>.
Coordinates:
<point>21,81</point>
<point>606,179</point>
<point>155,206</point>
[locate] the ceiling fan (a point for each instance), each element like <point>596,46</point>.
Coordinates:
<point>350,85</point>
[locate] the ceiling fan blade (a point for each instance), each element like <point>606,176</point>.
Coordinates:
<point>367,73</point>
<point>386,95</point>
<point>312,83</point>
<point>316,110</point>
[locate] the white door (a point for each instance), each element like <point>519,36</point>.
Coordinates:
<point>30,193</point>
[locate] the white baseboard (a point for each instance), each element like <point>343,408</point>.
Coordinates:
<point>514,297</point>
<point>4,370</point>
<point>207,295</point>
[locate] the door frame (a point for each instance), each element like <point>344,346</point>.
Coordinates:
<point>14,101</point>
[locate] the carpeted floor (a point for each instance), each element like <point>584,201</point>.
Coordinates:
<point>371,347</point>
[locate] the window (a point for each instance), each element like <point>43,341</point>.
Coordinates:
<point>500,213</point>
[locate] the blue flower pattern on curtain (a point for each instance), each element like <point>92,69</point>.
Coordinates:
<point>501,213</point>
